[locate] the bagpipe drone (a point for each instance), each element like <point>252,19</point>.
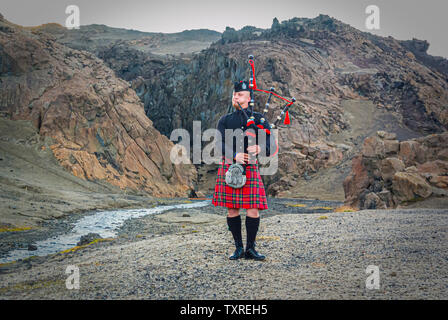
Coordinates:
<point>253,87</point>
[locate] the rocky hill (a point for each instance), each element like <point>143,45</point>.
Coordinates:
<point>96,122</point>
<point>349,84</point>
<point>95,37</point>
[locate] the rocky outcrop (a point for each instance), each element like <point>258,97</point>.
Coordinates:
<point>321,61</point>
<point>388,172</point>
<point>419,49</point>
<point>97,123</point>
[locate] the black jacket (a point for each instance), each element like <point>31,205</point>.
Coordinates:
<point>237,120</point>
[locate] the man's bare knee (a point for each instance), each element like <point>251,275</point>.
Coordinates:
<point>253,213</point>
<point>233,212</point>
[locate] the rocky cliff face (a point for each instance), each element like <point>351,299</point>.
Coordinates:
<point>348,85</point>
<point>98,124</point>
<point>322,62</point>
<point>389,172</point>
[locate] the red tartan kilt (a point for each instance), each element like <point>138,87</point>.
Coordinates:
<point>251,195</point>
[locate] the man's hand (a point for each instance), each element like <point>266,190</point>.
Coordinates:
<point>241,157</point>
<point>254,150</point>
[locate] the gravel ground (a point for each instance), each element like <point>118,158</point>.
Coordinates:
<point>183,254</point>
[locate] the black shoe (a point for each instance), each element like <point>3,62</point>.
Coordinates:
<point>251,253</point>
<point>239,253</point>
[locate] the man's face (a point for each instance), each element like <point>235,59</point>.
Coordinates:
<point>243,97</point>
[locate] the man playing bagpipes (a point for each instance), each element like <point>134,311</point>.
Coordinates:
<point>239,184</point>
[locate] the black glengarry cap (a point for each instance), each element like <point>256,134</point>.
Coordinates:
<point>241,85</point>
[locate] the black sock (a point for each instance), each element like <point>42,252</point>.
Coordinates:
<point>234,224</point>
<point>251,231</point>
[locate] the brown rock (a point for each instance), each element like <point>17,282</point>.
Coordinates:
<point>357,181</point>
<point>433,168</point>
<point>386,135</point>
<point>391,146</point>
<point>443,154</point>
<point>439,181</point>
<point>439,141</point>
<point>436,171</point>
<point>373,147</point>
<point>372,201</point>
<point>412,169</point>
<point>386,197</point>
<point>413,173</point>
<point>410,186</point>
<point>439,192</point>
<point>389,167</point>
<point>411,152</point>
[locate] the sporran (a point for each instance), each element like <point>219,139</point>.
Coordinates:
<point>236,176</point>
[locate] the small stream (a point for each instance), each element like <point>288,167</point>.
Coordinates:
<point>105,223</point>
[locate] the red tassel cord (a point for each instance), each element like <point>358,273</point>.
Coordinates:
<point>287,121</point>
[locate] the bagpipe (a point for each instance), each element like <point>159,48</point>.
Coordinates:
<point>235,176</point>
<point>250,119</point>
<point>253,87</point>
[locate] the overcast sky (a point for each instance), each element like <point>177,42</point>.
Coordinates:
<point>402,19</point>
